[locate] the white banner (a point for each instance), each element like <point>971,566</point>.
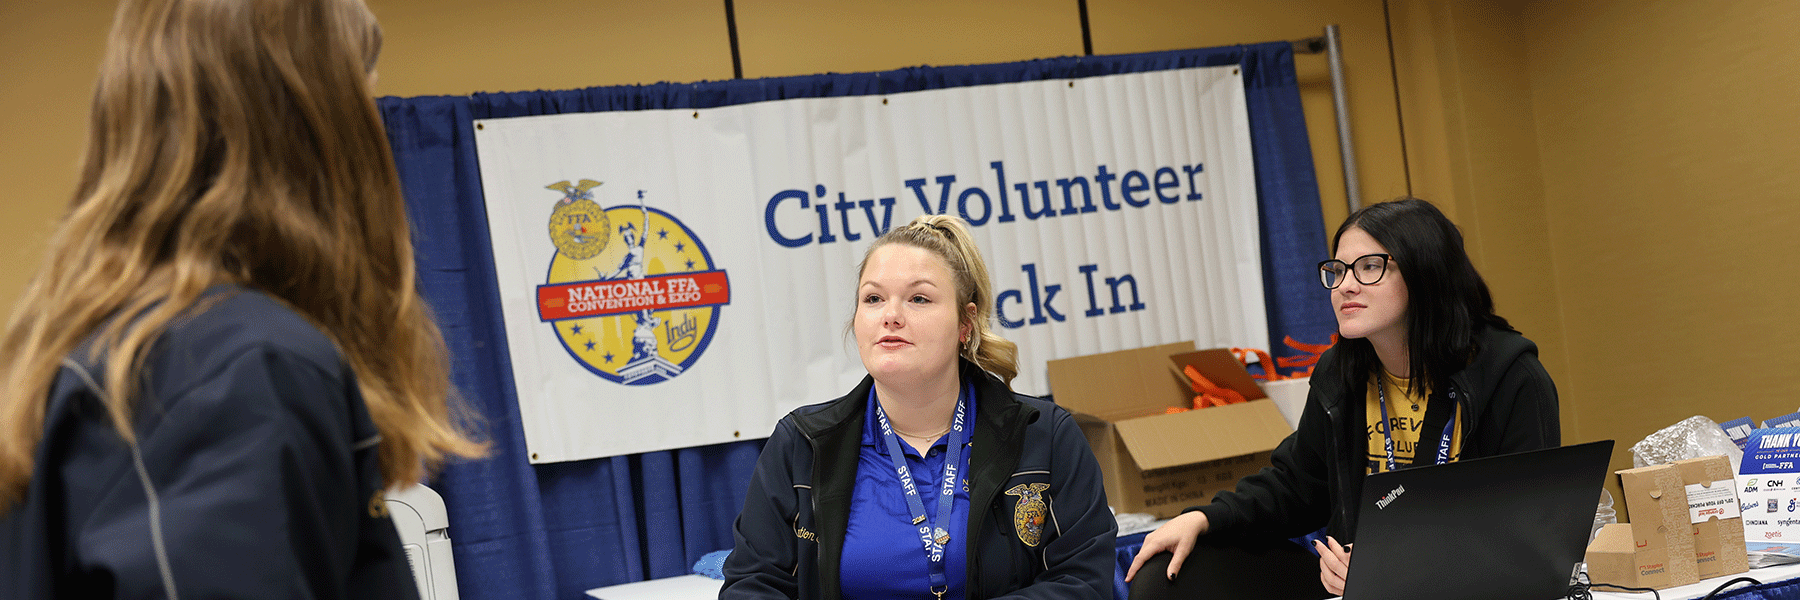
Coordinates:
<point>677,278</point>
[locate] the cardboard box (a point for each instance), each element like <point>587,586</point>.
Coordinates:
<point>1713,509</point>
<point>1612,558</point>
<point>1660,526</point>
<point>1153,461</point>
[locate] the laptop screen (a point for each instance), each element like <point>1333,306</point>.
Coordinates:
<point>1504,527</point>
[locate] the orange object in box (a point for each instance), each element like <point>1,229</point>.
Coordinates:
<point>1159,462</point>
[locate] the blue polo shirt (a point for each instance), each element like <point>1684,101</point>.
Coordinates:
<point>883,557</point>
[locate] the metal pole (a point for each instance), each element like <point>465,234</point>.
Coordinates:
<point>1345,148</point>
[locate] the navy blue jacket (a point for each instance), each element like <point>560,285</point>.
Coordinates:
<point>1316,474</point>
<point>254,474</point>
<point>790,535</point>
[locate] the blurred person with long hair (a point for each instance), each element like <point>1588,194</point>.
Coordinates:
<point>223,361</point>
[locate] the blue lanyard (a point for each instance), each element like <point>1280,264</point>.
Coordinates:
<point>1387,430</point>
<point>935,534</point>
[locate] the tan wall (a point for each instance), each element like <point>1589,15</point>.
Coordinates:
<point>1670,139</point>
<point>1624,171</point>
<point>49,52</point>
<point>1122,26</point>
<point>453,47</point>
<point>1626,174</point>
<point>444,47</point>
<point>1471,145</point>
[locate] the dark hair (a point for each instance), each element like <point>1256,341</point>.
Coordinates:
<point>1447,306</point>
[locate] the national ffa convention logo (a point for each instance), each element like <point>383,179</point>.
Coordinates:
<point>632,294</point>
<point>1029,512</point>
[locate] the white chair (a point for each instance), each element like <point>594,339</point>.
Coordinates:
<point>424,527</point>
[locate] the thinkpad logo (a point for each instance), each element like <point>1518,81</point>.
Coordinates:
<point>1389,498</point>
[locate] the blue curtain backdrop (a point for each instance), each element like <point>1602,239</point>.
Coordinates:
<point>552,531</point>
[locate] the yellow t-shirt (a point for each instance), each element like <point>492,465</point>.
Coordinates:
<point>1406,417</point>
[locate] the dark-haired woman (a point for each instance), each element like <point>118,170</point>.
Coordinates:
<point>1425,374</point>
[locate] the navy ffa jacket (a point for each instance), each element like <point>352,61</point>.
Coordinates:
<point>790,534</point>
<point>1315,475</point>
<point>254,474</point>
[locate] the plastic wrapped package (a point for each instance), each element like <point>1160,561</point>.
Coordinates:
<point>1130,523</point>
<point>1694,437</point>
<point>1604,515</point>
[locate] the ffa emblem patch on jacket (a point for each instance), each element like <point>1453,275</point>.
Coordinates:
<point>1029,512</point>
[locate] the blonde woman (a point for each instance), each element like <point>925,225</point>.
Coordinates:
<point>931,479</point>
<point>223,361</point>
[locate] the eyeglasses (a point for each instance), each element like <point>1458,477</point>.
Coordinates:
<point>1368,269</point>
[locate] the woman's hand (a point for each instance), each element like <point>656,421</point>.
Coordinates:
<point>1176,537</point>
<point>1334,564</point>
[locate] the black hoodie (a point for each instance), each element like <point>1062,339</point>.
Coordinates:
<point>1315,476</point>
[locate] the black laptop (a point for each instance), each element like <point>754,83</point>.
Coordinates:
<point>1506,527</point>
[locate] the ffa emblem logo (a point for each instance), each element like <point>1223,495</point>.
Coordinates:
<point>632,293</point>
<point>578,227</point>
<point>1029,511</point>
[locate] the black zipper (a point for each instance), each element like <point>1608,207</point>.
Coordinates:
<point>1337,429</point>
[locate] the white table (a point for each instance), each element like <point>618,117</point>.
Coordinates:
<point>1699,590</point>
<point>697,587</point>
<point>685,587</point>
